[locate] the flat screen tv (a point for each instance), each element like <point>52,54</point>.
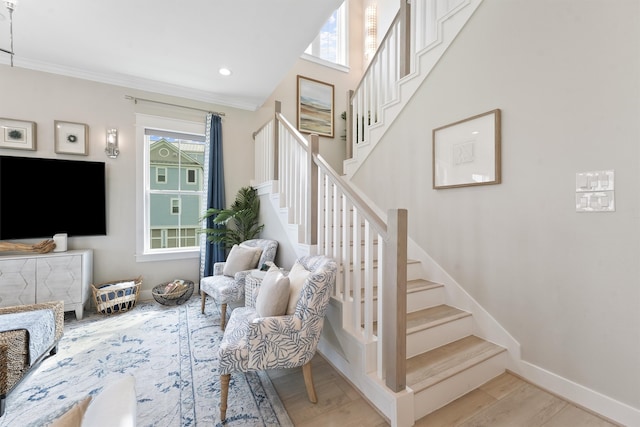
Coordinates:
<point>42,197</point>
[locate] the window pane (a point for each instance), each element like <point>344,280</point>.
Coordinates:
<point>330,44</point>
<point>175,196</point>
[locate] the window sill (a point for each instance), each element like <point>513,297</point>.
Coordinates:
<point>339,67</point>
<point>168,255</point>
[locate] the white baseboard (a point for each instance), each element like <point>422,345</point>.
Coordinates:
<point>580,395</point>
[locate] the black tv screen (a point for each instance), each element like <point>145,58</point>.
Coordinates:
<point>42,197</point>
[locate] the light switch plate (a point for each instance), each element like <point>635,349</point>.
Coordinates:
<point>595,201</point>
<point>595,181</point>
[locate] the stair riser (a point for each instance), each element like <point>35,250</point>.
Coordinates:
<point>424,299</point>
<point>413,273</point>
<point>435,397</point>
<point>428,339</point>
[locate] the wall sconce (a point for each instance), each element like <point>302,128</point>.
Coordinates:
<point>112,143</point>
<point>371,31</point>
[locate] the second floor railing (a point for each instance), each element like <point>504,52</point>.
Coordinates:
<point>413,31</point>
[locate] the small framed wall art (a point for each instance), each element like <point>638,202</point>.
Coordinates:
<point>18,134</point>
<point>315,107</point>
<point>467,152</point>
<point>71,138</point>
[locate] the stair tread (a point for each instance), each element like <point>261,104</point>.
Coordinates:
<point>413,286</point>
<point>418,285</point>
<point>433,316</point>
<point>432,367</point>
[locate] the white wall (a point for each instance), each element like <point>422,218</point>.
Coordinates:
<point>43,98</point>
<point>566,285</point>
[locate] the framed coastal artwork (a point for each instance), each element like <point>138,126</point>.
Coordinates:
<point>315,107</point>
<point>467,152</point>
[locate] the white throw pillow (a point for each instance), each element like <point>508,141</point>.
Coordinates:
<point>73,416</point>
<point>297,276</point>
<point>240,259</point>
<point>114,406</point>
<point>273,294</point>
<point>257,253</point>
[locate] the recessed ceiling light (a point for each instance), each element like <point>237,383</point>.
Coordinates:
<point>225,71</point>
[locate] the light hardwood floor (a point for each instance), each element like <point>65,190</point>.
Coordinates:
<point>505,401</point>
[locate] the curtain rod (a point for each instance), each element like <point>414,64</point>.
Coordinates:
<point>136,99</point>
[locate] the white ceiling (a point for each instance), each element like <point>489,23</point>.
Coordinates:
<point>170,47</point>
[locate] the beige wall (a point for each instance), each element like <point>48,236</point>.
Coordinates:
<point>43,98</point>
<point>566,285</point>
<point>332,149</point>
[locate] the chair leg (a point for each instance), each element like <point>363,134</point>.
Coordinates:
<point>203,297</point>
<point>223,315</point>
<point>224,393</point>
<point>308,382</point>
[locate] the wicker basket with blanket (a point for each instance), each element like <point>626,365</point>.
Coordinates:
<point>28,334</point>
<point>116,296</point>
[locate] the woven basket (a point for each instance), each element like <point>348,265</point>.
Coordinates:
<point>110,298</point>
<point>178,294</point>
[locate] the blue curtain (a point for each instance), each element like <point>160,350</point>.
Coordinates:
<point>214,186</point>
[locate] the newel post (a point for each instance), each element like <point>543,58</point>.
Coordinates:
<point>394,302</point>
<point>312,190</point>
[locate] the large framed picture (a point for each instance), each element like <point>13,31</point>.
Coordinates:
<point>467,152</point>
<point>315,106</point>
<point>17,134</point>
<point>71,138</point>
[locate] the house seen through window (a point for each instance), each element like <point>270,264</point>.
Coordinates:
<point>174,193</point>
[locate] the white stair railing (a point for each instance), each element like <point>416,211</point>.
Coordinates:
<point>414,31</point>
<point>372,254</point>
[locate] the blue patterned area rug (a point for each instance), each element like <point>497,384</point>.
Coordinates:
<point>172,351</point>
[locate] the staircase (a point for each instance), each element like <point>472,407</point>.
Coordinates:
<point>444,353</point>
<point>408,344</point>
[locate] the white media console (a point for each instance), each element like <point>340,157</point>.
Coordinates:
<point>55,276</point>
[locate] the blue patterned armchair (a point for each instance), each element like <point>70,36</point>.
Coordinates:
<point>252,343</point>
<point>227,283</point>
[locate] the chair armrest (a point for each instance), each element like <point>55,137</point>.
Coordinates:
<point>56,306</point>
<point>218,267</point>
<point>251,283</point>
<point>239,278</point>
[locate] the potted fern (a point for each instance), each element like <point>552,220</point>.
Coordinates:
<point>239,222</point>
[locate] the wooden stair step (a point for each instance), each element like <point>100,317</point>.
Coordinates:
<point>413,286</point>
<point>432,317</point>
<point>432,367</point>
<point>419,285</point>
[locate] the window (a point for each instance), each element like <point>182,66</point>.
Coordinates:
<point>161,175</point>
<point>172,196</point>
<point>192,176</point>
<point>175,206</point>
<point>330,46</point>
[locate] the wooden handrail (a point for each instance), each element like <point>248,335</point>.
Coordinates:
<point>375,56</point>
<point>253,135</point>
<point>301,139</point>
<point>378,223</point>
<point>313,204</point>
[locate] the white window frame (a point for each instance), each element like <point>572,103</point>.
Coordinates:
<point>158,175</point>
<point>342,40</point>
<point>176,203</point>
<point>145,121</point>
